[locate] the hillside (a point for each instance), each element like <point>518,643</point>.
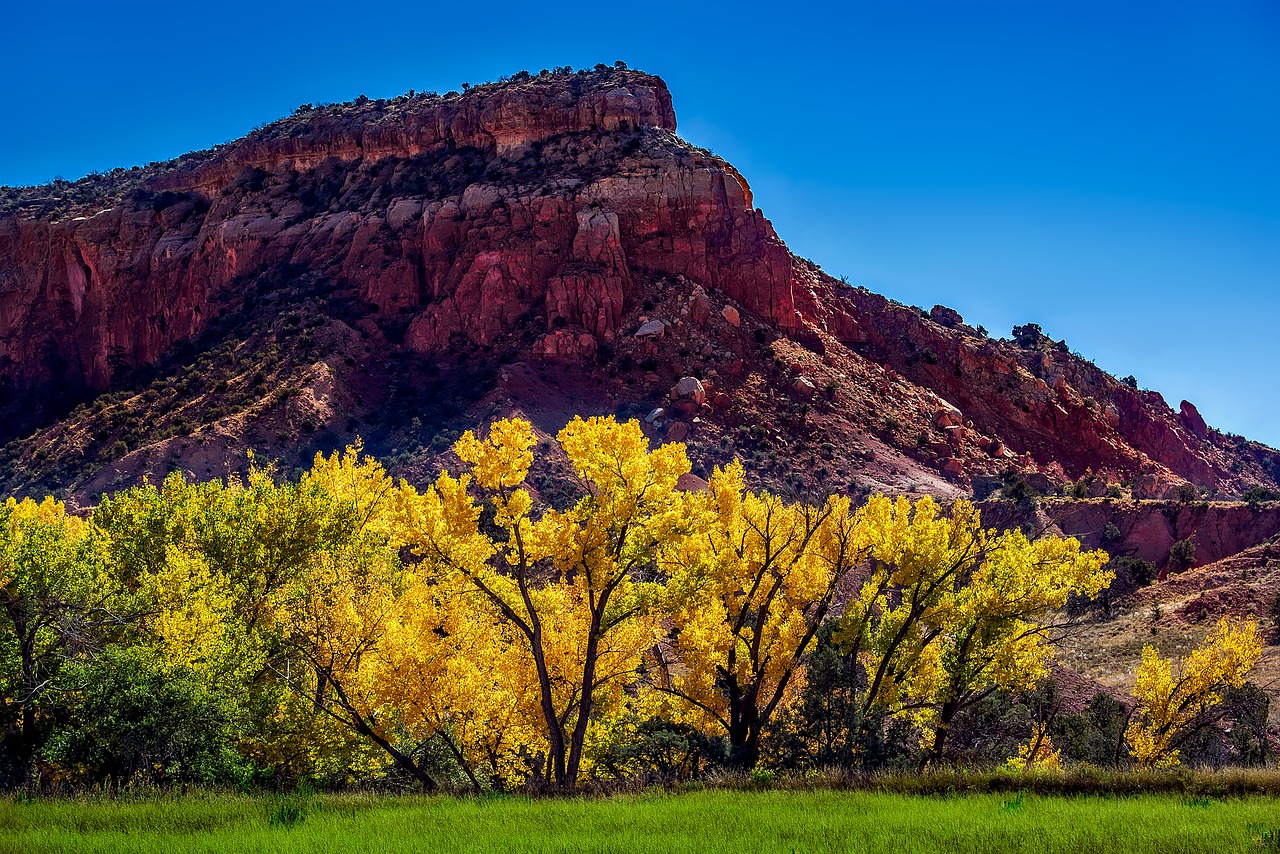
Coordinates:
<point>399,270</point>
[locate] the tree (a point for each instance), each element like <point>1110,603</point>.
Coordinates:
<point>338,606</point>
<point>133,716</point>
<point>1182,555</point>
<point>1094,735</point>
<point>394,654</point>
<point>952,612</point>
<point>207,564</point>
<point>1256,496</point>
<point>578,588</point>
<point>452,673</point>
<point>1175,703</point>
<point>1028,336</point>
<point>53,592</point>
<point>751,587</point>
<point>1037,753</point>
<point>824,728</point>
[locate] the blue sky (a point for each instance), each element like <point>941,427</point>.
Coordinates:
<point>1108,170</point>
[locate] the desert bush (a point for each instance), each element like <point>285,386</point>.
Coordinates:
<point>1182,555</point>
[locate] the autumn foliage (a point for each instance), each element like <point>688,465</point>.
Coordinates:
<point>342,627</point>
<point>1174,702</point>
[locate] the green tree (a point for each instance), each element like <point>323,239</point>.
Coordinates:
<point>134,717</point>
<point>53,595</point>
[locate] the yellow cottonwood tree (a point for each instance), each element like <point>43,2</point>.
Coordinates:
<point>578,587</point>
<point>1038,753</point>
<point>339,610</point>
<point>953,611</point>
<point>749,589</point>
<point>454,673</point>
<point>1173,703</point>
<point>52,585</point>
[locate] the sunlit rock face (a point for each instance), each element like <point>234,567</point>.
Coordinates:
<point>536,219</point>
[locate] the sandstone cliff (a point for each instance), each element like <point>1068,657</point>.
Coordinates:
<point>547,244</point>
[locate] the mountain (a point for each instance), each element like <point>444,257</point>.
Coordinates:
<point>403,269</point>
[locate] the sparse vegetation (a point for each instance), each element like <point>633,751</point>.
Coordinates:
<point>1016,488</point>
<point>1256,496</point>
<point>1182,555</point>
<point>1028,336</point>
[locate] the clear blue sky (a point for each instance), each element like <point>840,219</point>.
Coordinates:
<point>1110,170</point>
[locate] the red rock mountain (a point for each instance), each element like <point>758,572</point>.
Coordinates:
<point>401,269</point>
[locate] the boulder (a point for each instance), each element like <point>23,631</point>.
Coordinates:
<point>948,317</point>
<point>686,407</point>
<point>689,388</point>
<point>566,346</point>
<point>730,314</point>
<point>956,434</point>
<point>652,329</point>
<point>947,415</point>
<point>803,388</point>
<point>699,307</point>
<point>1040,482</point>
<point>690,482</point>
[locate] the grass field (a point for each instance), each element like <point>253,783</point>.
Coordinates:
<point>710,821</point>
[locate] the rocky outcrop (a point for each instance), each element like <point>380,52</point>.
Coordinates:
<point>1147,530</point>
<point>467,213</point>
<point>1070,418</point>
<point>560,217</point>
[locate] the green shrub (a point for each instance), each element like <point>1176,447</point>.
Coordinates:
<point>141,719</point>
<point>1259,495</point>
<point>1182,555</point>
<point>1028,336</point>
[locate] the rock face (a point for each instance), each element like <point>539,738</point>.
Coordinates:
<point>417,209</point>
<point>1148,530</point>
<point>547,218</point>
<point>1069,416</point>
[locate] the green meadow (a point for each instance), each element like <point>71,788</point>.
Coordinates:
<point>708,822</point>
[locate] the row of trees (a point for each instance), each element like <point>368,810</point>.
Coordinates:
<point>343,627</point>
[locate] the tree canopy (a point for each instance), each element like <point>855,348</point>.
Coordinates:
<point>340,627</point>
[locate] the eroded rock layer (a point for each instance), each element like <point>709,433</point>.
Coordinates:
<point>554,221</point>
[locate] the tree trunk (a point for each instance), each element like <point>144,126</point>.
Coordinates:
<point>405,762</point>
<point>555,733</point>
<point>30,687</point>
<point>744,731</point>
<point>949,709</point>
<point>584,705</point>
